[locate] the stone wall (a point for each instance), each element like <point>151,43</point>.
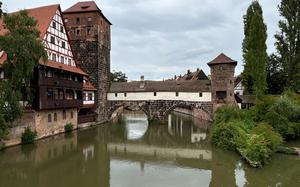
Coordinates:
<point>38,121</point>
<point>92,52</point>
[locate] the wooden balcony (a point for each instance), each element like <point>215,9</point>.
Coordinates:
<point>52,81</point>
<point>55,104</point>
<point>86,118</point>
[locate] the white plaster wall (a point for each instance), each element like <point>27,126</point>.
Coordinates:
<point>145,96</point>
<point>239,89</point>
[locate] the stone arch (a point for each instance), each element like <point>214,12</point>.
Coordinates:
<point>118,108</point>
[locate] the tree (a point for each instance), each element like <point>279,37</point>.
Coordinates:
<point>24,49</point>
<point>118,76</point>
<point>254,51</point>
<point>288,42</point>
<point>276,78</point>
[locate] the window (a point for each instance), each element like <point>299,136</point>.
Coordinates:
<point>89,19</point>
<point>52,39</point>
<point>116,94</point>
<point>154,93</point>
<point>77,20</point>
<point>69,62</point>
<point>62,59</point>
<point>50,94</point>
<point>177,94</point>
<point>230,81</point>
<point>55,93</point>
<point>62,29</point>
<point>54,57</point>
<point>61,94</point>
<point>55,117</point>
<point>125,94</point>
<point>77,32</point>
<point>90,96</point>
<point>200,94</point>
<point>54,24</point>
<point>72,114</point>
<point>64,114</point>
<point>63,45</point>
<point>88,30</point>
<point>221,94</point>
<point>49,118</point>
<point>237,93</point>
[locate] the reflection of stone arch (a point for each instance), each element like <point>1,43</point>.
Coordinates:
<point>132,106</point>
<point>197,110</point>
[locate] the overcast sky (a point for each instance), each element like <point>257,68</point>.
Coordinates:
<point>161,38</point>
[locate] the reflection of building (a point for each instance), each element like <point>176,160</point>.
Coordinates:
<point>183,126</point>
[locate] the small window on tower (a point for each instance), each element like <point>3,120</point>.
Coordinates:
<point>77,20</point>
<point>77,32</point>
<point>54,24</point>
<point>89,19</point>
<point>116,94</point>
<point>177,94</point>
<point>200,94</point>
<point>52,39</point>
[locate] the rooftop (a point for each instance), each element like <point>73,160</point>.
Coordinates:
<point>222,59</point>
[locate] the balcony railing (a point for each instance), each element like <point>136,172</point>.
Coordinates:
<point>52,81</point>
<point>55,104</point>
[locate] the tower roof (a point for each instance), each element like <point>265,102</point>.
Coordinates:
<point>222,59</point>
<point>85,6</point>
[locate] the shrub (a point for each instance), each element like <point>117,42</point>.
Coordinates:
<point>28,136</point>
<point>69,127</point>
<point>278,122</point>
<point>287,108</point>
<point>262,106</point>
<point>229,135</point>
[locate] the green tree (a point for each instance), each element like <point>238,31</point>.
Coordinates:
<point>288,42</point>
<point>24,49</point>
<point>276,78</point>
<point>118,76</point>
<point>255,51</point>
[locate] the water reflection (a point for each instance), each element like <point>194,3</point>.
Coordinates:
<point>176,153</point>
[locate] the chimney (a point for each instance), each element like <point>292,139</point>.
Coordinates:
<point>188,72</point>
<point>142,82</point>
<point>175,77</point>
<point>198,69</point>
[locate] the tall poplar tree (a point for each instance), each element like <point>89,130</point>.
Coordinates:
<point>255,51</point>
<point>288,42</point>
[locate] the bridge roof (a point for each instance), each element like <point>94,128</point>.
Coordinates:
<point>162,86</point>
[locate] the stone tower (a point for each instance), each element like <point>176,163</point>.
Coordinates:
<point>90,38</point>
<point>222,80</point>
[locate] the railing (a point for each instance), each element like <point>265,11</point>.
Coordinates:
<point>86,118</point>
<point>52,81</point>
<point>54,104</point>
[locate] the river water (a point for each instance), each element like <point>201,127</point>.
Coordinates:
<point>132,153</point>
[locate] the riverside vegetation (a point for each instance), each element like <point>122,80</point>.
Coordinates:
<point>258,133</point>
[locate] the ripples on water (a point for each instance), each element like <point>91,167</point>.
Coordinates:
<point>134,153</point>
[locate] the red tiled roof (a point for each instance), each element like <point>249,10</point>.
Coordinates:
<point>44,16</point>
<point>88,86</point>
<point>85,6</point>
<point>65,67</point>
<point>222,59</point>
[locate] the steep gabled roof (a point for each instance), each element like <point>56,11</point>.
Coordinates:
<point>222,59</point>
<point>85,6</point>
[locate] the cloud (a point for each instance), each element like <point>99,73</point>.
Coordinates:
<point>161,38</point>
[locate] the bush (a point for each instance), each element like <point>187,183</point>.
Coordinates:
<point>278,122</point>
<point>28,136</point>
<point>69,127</point>
<point>262,107</point>
<point>229,135</point>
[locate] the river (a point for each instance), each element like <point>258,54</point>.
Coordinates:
<point>132,153</point>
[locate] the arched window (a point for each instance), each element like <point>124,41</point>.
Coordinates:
<point>49,118</point>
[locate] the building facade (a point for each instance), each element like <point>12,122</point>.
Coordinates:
<point>90,37</point>
<point>58,83</point>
